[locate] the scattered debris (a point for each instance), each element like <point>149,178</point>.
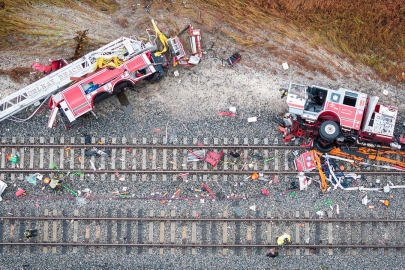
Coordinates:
<point>32,178</point>
<point>252,119</point>
<point>327,203</point>
<point>257,156</point>
<point>210,192</point>
<point>2,188</point>
<point>233,59</point>
<point>254,176</point>
<point>304,181</point>
<point>80,200</point>
<point>265,191</point>
<point>92,165</point>
<point>55,65</point>
<point>96,152</point>
<point>227,113</point>
<point>19,192</point>
<point>211,157</point>
<point>365,200</point>
<point>253,207</point>
<point>173,163</point>
<point>385,202</point>
<point>285,65</point>
<point>177,49</point>
<point>12,158</point>
<point>320,213</point>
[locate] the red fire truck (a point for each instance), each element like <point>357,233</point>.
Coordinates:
<point>80,97</point>
<point>338,117</point>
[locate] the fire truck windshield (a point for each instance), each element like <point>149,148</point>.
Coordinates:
<point>299,90</point>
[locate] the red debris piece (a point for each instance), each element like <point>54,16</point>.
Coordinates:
<point>200,144</point>
<point>226,113</point>
<point>19,192</point>
<point>212,194</point>
<point>265,191</point>
<point>213,158</point>
<point>156,130</point>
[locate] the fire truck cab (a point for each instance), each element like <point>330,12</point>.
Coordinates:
<point>341,116</point>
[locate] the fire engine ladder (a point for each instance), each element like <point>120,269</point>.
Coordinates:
<point>42,89</point>
<point>359,156</point>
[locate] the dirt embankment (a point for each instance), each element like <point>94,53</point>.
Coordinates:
<point>256,78</point>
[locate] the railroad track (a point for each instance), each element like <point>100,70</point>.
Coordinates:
<point>165,165</point>
<point>148,160</point>
<point>159,233</point>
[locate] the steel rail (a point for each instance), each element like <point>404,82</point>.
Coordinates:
<point>230,172</point>
<point>204,219</point>
<point>202,245</point>
<point>163,146</point>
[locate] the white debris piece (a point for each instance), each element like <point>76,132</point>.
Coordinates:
<point>365,200</point>
<point>232,109</point>
<point>92,165</point>
<point>320,213</point>
<point>2,188</point>
<point>252,119</point>
<point>304,181</point>
<point>285,65</point>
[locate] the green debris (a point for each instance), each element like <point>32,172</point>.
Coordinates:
<point>294,193</point>
<point>327,203</point>
<point>74,193</point>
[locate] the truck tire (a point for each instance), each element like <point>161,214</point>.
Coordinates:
<point>101,96</point>
<point>121,86</point>
<point>323,148</point>
<point>329,130</point>
<point>156,77</point>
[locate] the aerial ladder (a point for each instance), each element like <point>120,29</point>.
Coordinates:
<point>39,91</point>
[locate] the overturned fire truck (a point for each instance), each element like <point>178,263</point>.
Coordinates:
<point>74,88</point>
<point>341,117</point>
<point>79,98</point>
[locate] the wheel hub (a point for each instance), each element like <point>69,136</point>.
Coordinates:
<point>330,129</point>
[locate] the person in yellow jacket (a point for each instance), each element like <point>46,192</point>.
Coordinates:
<point>284,239</point>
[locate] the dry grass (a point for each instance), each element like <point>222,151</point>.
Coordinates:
<point>11,24</point>
<point>366,31</point>
<point>370,32</point>
<point>18,74</point>
<point>123,22</point>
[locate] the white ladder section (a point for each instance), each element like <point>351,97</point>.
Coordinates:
<point>124,48</point>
